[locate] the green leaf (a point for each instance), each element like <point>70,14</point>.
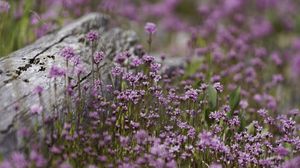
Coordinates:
<point>212,103</point>
<point>250,128</point>
<point>207,119</point>
<point>212,98</point>
<point>242,122</point>
<point>234,99</point>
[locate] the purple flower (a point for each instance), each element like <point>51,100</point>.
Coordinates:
<point>150,28</point>
<point>218,86</point>
<point>4,7</point>
<point>44,29</point>
<point>141,136</point>
<point>117,71</point>
<point>124,141</point>
<point>36,109</point>
<point>293,163</point>
<point>214,165</point>
<point>92,36</point>
<point>55,150</point>
<point>38,90</point>
<point>171,164</point>
<point>79,69</point>
<point>136,62</point>
<point>155,67</point>
<point>24,132</point>
<point>68,53</point>
<point>159,150</point>
<point>148,59</point>
<point>56,71</point>
<point>191,94</point>
<point>276,58</point>
<point>18,160</point>
<point>121,57</point>
<point>65,165</point>
<point>6,164</point>
<point>98,57</point>
<point>282,151</point>
<point>37,158</point>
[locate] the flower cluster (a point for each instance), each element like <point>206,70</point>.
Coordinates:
<point>226,104</point>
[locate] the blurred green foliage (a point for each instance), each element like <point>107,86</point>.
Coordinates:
<point>15,28</point>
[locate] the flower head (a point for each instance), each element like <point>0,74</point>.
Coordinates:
<point>38,90</point>
<point>79,69</point>
<point>18,160</point>
<point>68,53</point>
<point>36,109</point>
<point>92,36</point>
<point>150,28</point>
<point>56,71</point>
<point>282,151</point>
<point>98,57</point>
<point>141,136</point>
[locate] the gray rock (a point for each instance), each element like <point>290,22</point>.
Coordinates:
<point>23,70</point>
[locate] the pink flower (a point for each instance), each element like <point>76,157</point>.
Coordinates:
<point>36,109</point>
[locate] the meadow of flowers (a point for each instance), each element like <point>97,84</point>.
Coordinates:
<point>233,102</point>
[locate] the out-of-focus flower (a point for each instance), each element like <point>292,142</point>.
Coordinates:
<point>65,165</point>
<point>282,151</point>
<point>79,69</point>
<point>18,160</point>
<point>150,28</point>
<point>38,90</point>
<point>44,29</point>
<point>141,136</point>
<point>37,158</point>
<point>56,71</point>
<point>214,165</point>
<point>292,163</point>
<point>36,109</point>
<point>68,53</point>
<point>4,6</point>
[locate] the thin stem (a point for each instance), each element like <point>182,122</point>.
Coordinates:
<point>92,60</point>
<point>79,86</point>
<point>149,42</point>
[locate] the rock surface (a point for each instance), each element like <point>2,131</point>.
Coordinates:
<point>27,68</point>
